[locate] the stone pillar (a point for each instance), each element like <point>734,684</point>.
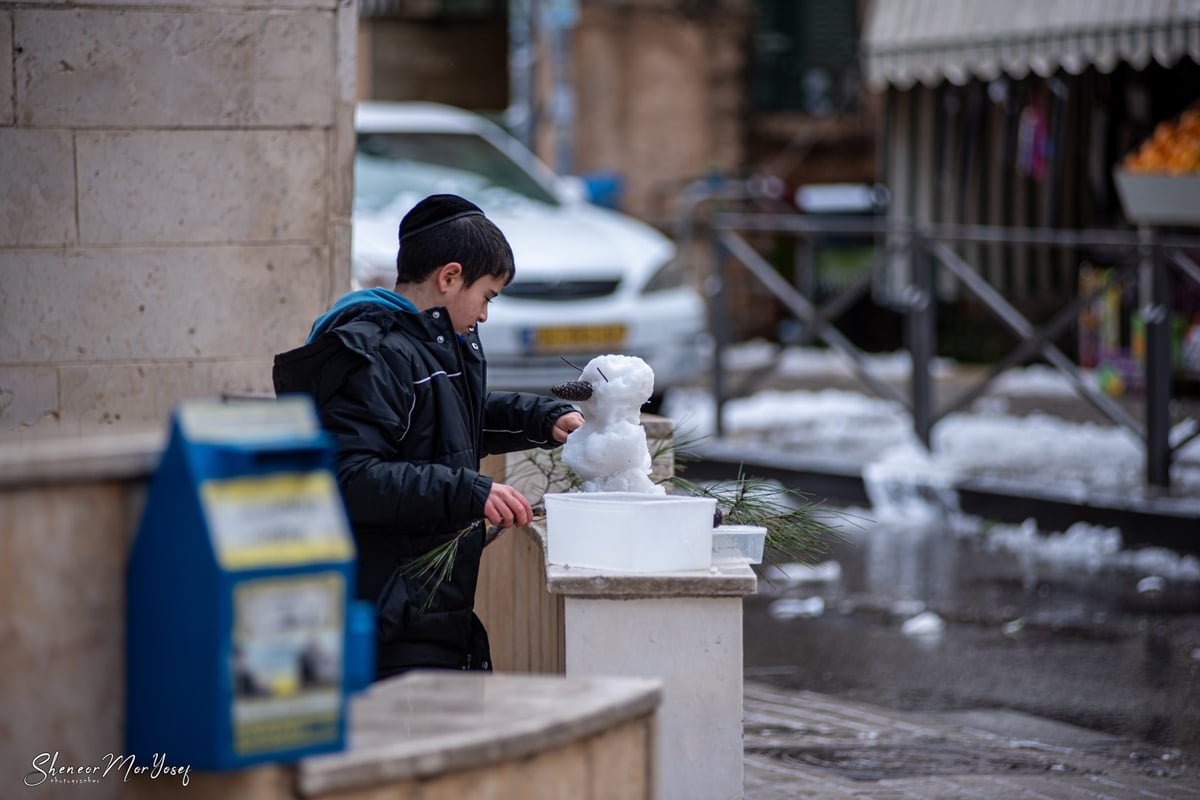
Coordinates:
<point>684,629</point>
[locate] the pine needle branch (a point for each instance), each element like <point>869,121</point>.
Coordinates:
<point>433,567</point>
<point>798,528</point>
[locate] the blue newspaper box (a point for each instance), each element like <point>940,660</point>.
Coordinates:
<point>243,639</point>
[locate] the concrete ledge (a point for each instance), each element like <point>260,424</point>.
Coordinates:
<point>427,723</point>
<point>28,461</point>
<point>719,581</point>
<point>726,581</point>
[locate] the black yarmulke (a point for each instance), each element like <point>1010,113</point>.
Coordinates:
<point>437,209</point>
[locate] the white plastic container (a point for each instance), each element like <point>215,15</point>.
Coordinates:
<point>629,532</point>
<point>738,544</point>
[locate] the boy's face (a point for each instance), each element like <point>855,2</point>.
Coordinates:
<point>468,305</point>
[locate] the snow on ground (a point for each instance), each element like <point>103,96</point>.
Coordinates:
<point>803,362</point>
<point>907,483</point>
<point>1036,380</point>
<point>833,424</point>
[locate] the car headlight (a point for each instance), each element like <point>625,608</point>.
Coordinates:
<point>669,276</point>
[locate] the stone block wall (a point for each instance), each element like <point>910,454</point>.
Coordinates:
<point>661,95</point>
<point>175,192</point>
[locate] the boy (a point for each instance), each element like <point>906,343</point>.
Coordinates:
<point>399,379</point>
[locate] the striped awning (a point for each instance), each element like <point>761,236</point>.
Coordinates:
<point>930,41</point>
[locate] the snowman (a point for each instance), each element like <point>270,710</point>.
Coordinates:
<point>609,451</point>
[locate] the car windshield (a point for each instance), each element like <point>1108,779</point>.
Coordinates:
<point>393,166</point>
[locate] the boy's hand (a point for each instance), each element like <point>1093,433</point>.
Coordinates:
<point>507,507</point>
<point>565,424</point>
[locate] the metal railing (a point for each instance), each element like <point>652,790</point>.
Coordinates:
<point>928,254</point>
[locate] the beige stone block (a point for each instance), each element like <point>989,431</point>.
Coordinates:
<point>28,396</point>
<point>493,782</point>
<point>269,782</point>
<point>61,612</point>
<point>37,191</point>
<point>142,396</point>
<point>142,187</point>
<point>108,394</point>
<point>338,278</point>
<point>401,790</point>
<point>554,774</point>
<point>6,84</point>
<point>341,168</point>
<point>157,304</point>
<point>141,68</point>
<point>347,53</point>
<point>619,762</point>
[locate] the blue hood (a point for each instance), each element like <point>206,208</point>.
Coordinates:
<point>384,297</point>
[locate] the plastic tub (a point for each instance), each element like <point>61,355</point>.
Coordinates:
<point>738,544</point>
<point>629,532</point>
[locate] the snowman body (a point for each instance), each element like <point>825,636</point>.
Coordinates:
<point>609,451</point>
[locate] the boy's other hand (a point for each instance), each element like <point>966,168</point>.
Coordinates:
<point>507,507</point>
<point>565,424</point>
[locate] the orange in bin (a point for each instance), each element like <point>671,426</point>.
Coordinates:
<point>1174,149</point>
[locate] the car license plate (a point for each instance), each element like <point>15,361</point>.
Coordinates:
<point>562,338</point>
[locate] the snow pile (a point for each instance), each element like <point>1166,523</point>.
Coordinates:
<point>1036,380</point>
<point>830,424</point>
<point>926,623</point>
<point>804,362</point>
<point>911,487</point>
<point>1073,459</point>
<point>795,573</point>
<point>1084,546</point>
<point>797,607</point>
<point>609,451</point>
<point>1160,562</point>
<point>1042,450</point>
<point>1091,548</point>
<point>908,484</point>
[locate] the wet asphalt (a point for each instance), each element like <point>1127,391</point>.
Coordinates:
<point>1102,647</point>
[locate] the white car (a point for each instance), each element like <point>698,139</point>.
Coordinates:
<point>589,280</point>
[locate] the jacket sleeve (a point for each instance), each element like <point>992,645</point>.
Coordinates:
<point>514,421</point>
<point>367,416</point>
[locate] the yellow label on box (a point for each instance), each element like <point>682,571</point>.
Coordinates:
<point>276,520</point>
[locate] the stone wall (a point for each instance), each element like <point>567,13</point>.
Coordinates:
<point>175,200</point>
<point>661,96</point>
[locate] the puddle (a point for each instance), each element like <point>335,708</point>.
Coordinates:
<point>876,763</point>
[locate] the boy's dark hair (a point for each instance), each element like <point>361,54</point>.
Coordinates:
<point>444,228</point>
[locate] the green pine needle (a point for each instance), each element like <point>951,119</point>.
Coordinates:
<point>433,567</point>
<point>798,529</point>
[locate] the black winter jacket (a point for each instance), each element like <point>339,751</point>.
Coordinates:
<point>405,399</point>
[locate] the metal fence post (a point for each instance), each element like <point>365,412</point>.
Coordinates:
<point>1156,316</point>
<point>718,320</point>
<point>921,329</point>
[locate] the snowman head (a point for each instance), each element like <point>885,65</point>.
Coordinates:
<point>611,386</point>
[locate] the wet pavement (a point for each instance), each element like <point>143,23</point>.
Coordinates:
<point>974,670</point>
<point>1104,646</point>
<point>808,745</point>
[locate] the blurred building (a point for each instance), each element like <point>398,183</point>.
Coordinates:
<point>1014,114</point>
<point>654,94</point>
